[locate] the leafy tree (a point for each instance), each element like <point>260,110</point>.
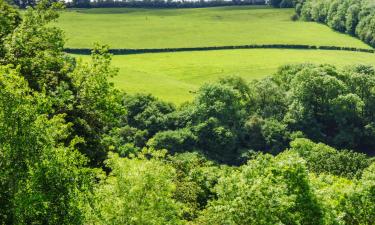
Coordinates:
<point>96,108</point>
<point>174,141</point>
<point>196,178</point>
<point>267,99</point>
<point>267,190</point>
<point>42,180</point>
<point>9,20</point>
<point>267,135</point>
<point>360,208</point>
<point>332,193</point>
<point>145,112</point>
<point>137,191</point>
<point>37,49</point>
<point>321,158</point>
<point>352,17</point>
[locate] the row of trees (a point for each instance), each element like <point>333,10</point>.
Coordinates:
<point>146,3</point>
<point>161,3</point>
<point>75,150</point>
<point>355,17</point>
<point>283,3</point>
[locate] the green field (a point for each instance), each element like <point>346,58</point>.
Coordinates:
<point>175,76</point>
<point>171,28</point>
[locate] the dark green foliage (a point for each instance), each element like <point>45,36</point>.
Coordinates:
<point>37,50</point>
<point>80,91</point>
<point>230,117</point>
<point>283,3</point>
<point>196,179</point>
<point>175,141</point>
<point>325,106</point>
<point>145,112</point>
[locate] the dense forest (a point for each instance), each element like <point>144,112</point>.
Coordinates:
<point>293,148</point>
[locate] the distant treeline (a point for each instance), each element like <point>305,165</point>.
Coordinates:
<point>159,3</point>
<point>354,17</point>
<point>283,3</point>
<point>124,51</point>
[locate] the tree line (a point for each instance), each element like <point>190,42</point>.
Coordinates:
<point>354,17</point>
<point>126,51</point>
<point>283,3</point>
<point>293,148</point>
<point>146,3</point>
<point>160,3</point>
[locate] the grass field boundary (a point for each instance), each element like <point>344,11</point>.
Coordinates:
<point>124,51</point>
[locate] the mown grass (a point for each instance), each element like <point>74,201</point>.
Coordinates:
<point>174,28</point>
<point>176,76</point>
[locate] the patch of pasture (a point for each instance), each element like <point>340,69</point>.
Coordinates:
<point>200,27</point>
<point>176,76</point>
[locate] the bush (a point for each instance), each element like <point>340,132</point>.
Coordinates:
<point>174,141</point>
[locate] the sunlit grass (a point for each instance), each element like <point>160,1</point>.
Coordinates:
<point>218,26</point>
<point>176,76</point>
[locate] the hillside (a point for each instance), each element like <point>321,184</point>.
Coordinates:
<point>176,77</point>
<point>176,28</point>
<point>269,135</point>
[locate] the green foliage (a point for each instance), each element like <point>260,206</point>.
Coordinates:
<point>321,158</point>
<point>195,182</point>
<point>37,49</point>
<point>265,191</point>
<point>96,108</point>
<point>9,19</point>
<point>267,135</point>
<point>145,112</point>
<point>55,110</point>
<point>346,201</point>
<point>42,180</point>
<point>137,191</point>
<point>175,141</point>
<point>326,107</point>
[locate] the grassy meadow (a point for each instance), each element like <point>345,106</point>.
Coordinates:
<point>201,27</point>
<point>176,76</point>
